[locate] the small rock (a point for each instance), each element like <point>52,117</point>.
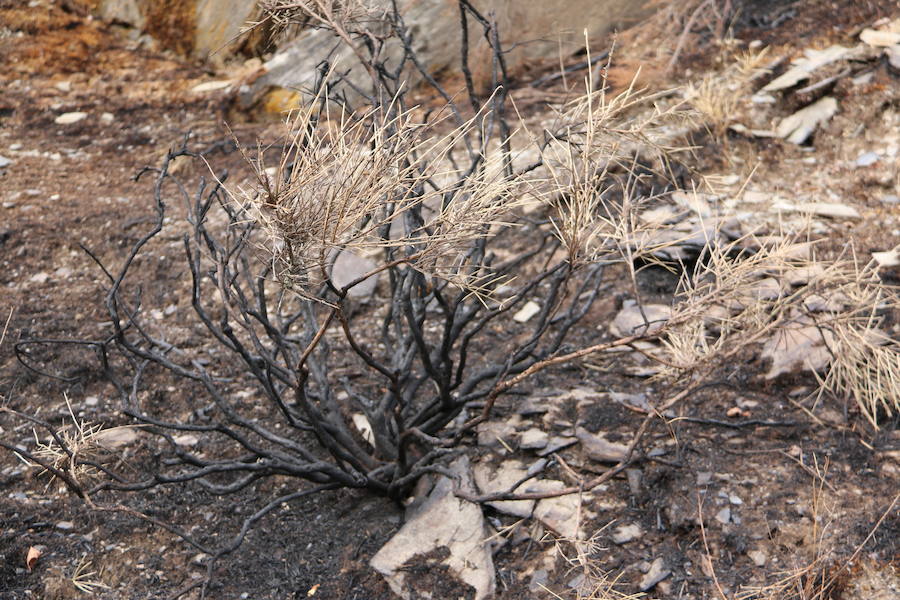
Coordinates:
<point>41,277</point>
<point>630,320</point>
<point>758,557</point>
<point>539,581</point>
<point>704,477</point>
<point>187,439</point>
<point>880,39</point>
<point>556,444</point>
<point>116,437</point>
<point>348,267</point>
<point>526,312</point>
<point>868,159</point>
<point>599,448</point>
<point>734,412</point>
<point>65,525</point>
<point>4,162</point>
<point>533,439</point>
<point>735,499</point>
<point>63,273</point>
<point>492,480</point>
<point>63,86</point>
<point>634,480</point>
<point>887,259</point>
<point>833,210</point>
<point>107,117</point>
<point>210,86</point>
<point>797,128</point>
<point>70,117</point>
<point>724,516</point>
<point>627,533</point>
<point>91,401</point>
<point>15,147</point>
<point>655,574</point>
<point>891,199</point>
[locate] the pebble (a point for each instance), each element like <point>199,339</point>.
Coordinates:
<point>107,117</point>
<point>4,162</point>
<point>65,525</point>
<point>627,533</point>
<point>758,557</point>
<point>91,401</point>
<point>41,277</point>
<point>69,118</point>
<point>15,147</point>
<point>868,159</point>
<point>657,573</point>
<point>724,516</point>
<point>55,197</point>
<point>890,199</point>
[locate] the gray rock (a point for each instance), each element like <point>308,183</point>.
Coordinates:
<point>4,162</point>
<point>442,520</point>
<point>797,128</point>
<point>533,439</point>
<point>657,573</point>
<point>349,266</point>
<point>627,533</point>
<point>724,516</point>
<point>599,448</point>
<point>868,159</point>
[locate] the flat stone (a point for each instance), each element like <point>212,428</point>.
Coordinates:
<point>724,516</point>
<point>525,313</point>
<point>65,525</point>
<point>348,267</point>
<point>630,320</point>
<point>654,575</point>
<point>600,449</point>
<point>557,443</point>
<point>116,437</point>
<point>491,479</point>
<point>758,557</point>
<point>832,210</point>
<point>4,162</point>
<point>533,439</point>
<point>627,533</point>
<point>562,514</point>
<point>797,128</point>
<point>880,39</point>
<point>867,159</point>
<point>210,86</point>
<point>69,118</point>
<point>442,520</point>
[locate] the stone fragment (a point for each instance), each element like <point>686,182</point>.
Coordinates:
<point>880,39</point>
<point>4,162</point>
<point>493,479</point>
<point>812,60</point>
<point>724,516</point>
<point>210,86</point>
<point>630,320</point>
<point>797,128</point>
<point>562,514</point>
<point>557,443</point>
<point>887,259</point>
<point>832,210</point>
<point>65,525</point>
<point>758,557</point>
<point>533,439</point>
<point>442,520</point>
<point>654,575</point>
<point>116,437</point>
<point>599,448</point>
<point>867,159</point>
<point>525,313</point>
<point>70,118</point>
<point>798,347</point>
<point>348,267</point>
<point>627,533</point>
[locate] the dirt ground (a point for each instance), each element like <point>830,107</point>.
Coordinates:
<point>770,497</point>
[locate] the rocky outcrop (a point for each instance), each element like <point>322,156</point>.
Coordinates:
<point>203,29</point>
<point>536,34</point>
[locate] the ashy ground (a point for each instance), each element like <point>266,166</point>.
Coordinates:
<point>746,485</point>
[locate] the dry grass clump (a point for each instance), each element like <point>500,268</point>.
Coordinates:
<point>373,181</point>
<point>815,315</point>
